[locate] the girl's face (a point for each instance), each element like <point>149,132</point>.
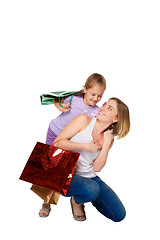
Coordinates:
<point>93,95</point>
<point>108,112</point>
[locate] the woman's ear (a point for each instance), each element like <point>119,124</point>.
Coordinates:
<point>115,120</point>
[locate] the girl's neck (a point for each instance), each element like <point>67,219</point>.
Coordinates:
<point>84,101</point>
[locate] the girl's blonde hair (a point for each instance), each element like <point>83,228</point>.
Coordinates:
<point>123,124</point>
<point>91,80</point>
<point>95,78</point>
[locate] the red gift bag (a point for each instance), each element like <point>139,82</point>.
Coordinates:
<point>50,167</point>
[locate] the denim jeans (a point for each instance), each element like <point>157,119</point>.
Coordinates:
<point>103,198</point>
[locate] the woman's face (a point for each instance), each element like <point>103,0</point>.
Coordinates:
<point>108,112</point>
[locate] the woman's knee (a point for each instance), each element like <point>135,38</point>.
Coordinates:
<point>119,215</point>
<point>93,190</point>
<point>89,191</point>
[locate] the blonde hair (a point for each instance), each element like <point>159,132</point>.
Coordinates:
<point>123,124</point>
<point>95,78</point>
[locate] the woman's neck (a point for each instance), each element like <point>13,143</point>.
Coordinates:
<point>98,130</point>
<point>101,126</point>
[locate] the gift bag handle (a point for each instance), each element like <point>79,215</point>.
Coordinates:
<point>69,100</point>
<point>54,143</point>
<point>56,152</point>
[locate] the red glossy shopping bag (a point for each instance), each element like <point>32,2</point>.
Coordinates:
<point>50,168</point>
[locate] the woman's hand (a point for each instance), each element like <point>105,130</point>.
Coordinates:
<point>100,161</point>
<point>108,136</point>
<point>92,147</point>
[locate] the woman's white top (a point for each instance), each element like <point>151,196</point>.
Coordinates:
<point>85,162</point>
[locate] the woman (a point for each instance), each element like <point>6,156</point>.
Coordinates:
<point>87,136</point>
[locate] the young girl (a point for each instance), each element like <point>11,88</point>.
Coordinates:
<point>83,103</point>
<point>89,137</point>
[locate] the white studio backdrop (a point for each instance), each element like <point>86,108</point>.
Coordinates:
<point>55,45</point>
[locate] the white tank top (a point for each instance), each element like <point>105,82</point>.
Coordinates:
<point>85,162</point>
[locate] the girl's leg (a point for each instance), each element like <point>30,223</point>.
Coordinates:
<point>108,202</point>
<point>46,208</point>
<point>51,136</point>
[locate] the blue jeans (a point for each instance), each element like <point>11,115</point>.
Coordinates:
<point>103,198</point>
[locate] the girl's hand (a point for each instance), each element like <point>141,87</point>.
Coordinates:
<point>92,147</point>
<point>65,108</point>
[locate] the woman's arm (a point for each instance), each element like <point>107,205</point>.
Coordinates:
<point>78,124</point>
<point>100,161</point>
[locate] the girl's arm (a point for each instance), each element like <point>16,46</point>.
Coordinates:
<point>65,108</point>
<point>78,124</point>
<point>100,161</point>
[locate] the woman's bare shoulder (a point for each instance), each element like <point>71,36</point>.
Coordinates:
<point>84,119</point>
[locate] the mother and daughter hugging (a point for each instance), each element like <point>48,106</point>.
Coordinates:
<point>81,127</point>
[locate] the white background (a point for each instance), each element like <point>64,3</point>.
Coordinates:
<point>55,45</point>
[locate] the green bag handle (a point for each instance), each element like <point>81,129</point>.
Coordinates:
<point>69,100</point>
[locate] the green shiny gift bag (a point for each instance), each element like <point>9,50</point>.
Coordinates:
<point>50,97</point>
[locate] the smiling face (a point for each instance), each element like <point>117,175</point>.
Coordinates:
<point>93,95</point>
<point>108,112</point>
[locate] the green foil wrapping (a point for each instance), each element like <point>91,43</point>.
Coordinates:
<point>47,99</point>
